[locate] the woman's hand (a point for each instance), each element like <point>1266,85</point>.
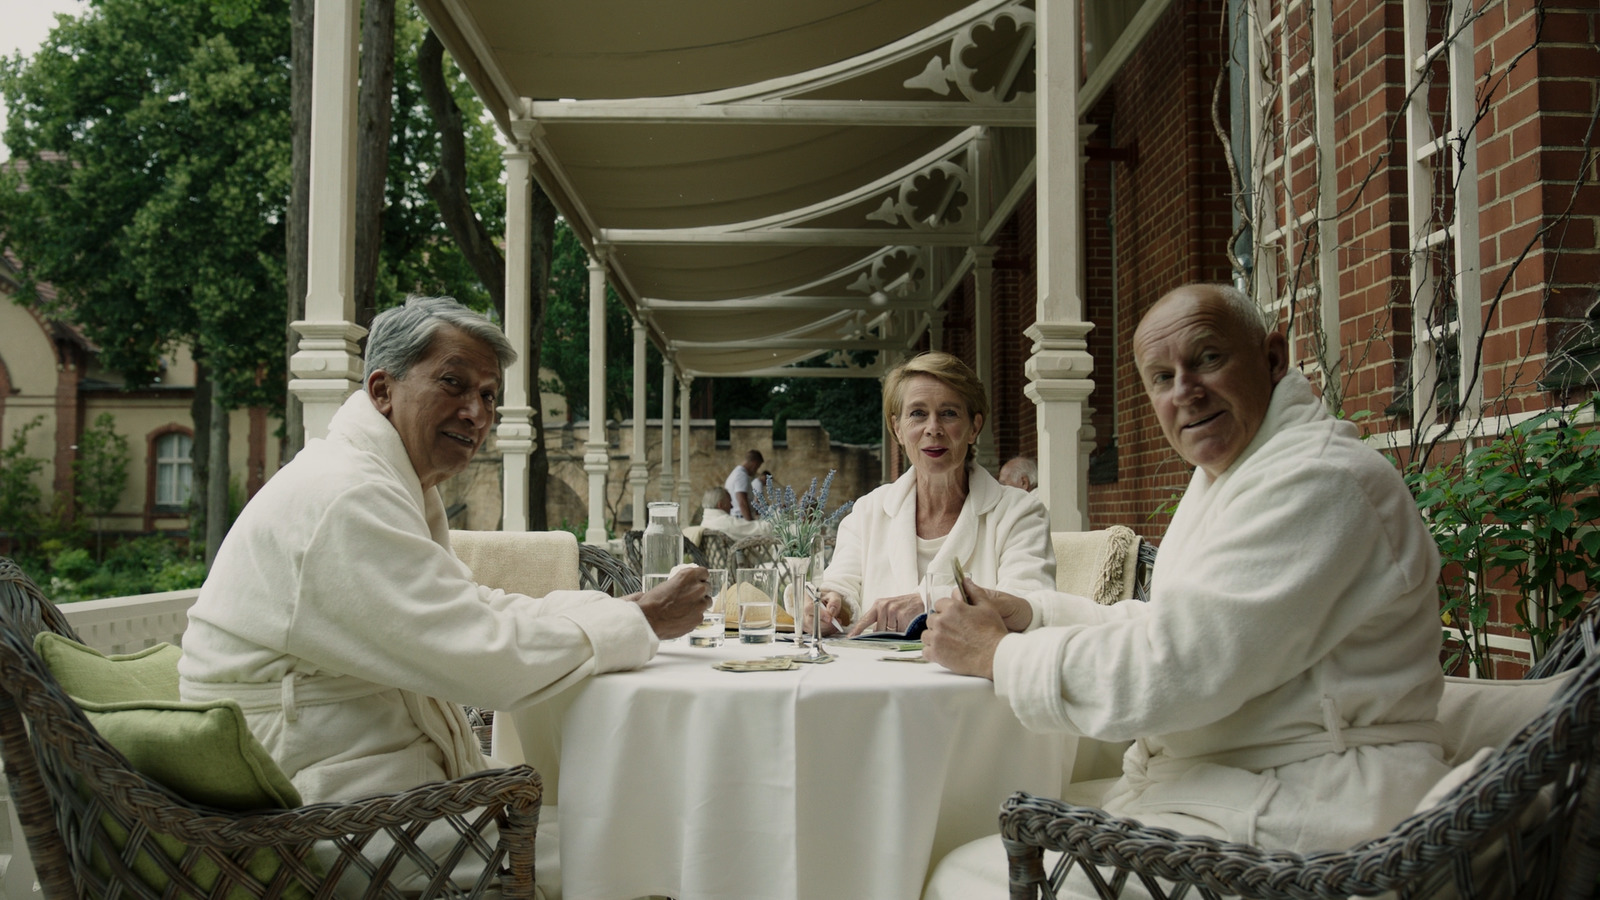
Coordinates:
<point>674,609</point>
<point>834,614</point>
<point>891,614</point>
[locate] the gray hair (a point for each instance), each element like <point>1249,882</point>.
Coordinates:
<point>1024,468</point>
<point>714,496</point>
<point>402,335</point>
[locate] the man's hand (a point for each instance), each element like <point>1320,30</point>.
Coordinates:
<point>890,614</point>
<point>674,609</point>
<point>963,638</point>
<point>1016,612</point>
<point>834,614</point>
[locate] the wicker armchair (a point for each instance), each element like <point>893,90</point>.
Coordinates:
<point>1499,809</point>
<point>718,550</point>
<point>600,571</point>
<point>94,824</point>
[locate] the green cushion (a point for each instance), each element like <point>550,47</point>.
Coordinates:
<point>88,674</point>
<point>204,752</point>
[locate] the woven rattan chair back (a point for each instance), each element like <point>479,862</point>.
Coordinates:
<point>718,550</point>
<point>90,818</point>
<point>1499,809</point>
<point>600,571</point>
<point>1143,568</point>
<point>633,550</point>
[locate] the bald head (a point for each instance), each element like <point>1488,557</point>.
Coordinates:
<point>1208,365</point>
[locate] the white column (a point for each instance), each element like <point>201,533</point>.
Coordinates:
<point>596,458</point>
<point>683,448</point>
<point>1060,365</point>
<point>638,469</point>
<point>669,478</point>
<point>515,432</point>
<point>326,368</point>
<point>983,346</point>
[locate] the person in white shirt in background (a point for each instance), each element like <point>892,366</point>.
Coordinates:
<point>715,516</point>
<point>1281,686</point>
<point>738,485</point>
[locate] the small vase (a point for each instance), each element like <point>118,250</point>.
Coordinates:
<point>796,570</point>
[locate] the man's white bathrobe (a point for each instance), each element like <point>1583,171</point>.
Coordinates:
<point>1282,683</point>
<point>350,633</point>
<point>1001,537</point>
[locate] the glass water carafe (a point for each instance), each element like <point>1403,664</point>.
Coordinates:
<point>663,539</point>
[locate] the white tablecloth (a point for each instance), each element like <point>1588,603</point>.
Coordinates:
<point>684,781</point>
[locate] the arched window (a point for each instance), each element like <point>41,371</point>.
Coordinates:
<point>174,470</point>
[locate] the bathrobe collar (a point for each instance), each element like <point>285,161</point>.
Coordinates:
<point>359,424</point>
<point>900,506</point>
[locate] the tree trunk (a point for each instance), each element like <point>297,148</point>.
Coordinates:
<point>448,185</point>
<point>200,454</point>
<point>543,227</point>
<point>217,480</point>
<point>298,223</point>
<point>374,112</point>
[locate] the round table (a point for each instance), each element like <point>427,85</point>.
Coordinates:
<point>844,779</point>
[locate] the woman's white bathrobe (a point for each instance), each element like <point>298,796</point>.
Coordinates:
<point>1001,537</point>
<point>1283,681</point>
<point>339,618</point>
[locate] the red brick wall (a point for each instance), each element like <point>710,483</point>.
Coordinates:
<point>1172,221</point>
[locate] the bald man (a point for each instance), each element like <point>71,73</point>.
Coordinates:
<point>1281,686</point>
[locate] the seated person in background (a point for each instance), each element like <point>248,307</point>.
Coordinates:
<point>715,516</point>
<point>1282,684</point>
<point>1021,473</point>
<point>944,508</point>
<point>336,613</point>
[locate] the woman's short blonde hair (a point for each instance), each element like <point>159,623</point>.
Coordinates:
<point>946,368</point>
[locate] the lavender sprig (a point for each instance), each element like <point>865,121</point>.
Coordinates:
<point>797,520</point>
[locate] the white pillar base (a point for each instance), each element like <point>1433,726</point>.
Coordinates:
<point>1059,385</point>
<point>514,437</point>
<point>325,370</point>
<point>596,461</point>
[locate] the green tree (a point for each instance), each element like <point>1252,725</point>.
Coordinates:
<point>102,473</point>
<point>20,498</point>
<point>153,150</point>
<point>566,338</point>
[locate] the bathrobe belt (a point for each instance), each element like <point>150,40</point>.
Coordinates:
<point>1161,767</point>
<point>442,722</point>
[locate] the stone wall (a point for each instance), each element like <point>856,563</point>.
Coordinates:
<point>803,452</point>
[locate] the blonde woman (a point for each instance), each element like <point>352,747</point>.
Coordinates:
<point>944,509</point>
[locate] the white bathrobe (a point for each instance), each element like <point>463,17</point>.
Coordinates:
<point>350,633</point>
<point>1283,681</point>
<point>1001,537</point>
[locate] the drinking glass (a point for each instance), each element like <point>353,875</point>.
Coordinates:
<point>713,623</point>
<point>757,610</point>
<point>936,586</point>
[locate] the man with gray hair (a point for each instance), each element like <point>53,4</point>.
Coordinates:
<point>340,619</point>
<point>715,516</point>
<point>1020,472</point>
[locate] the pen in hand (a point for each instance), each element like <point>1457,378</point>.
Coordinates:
<point>961,582</point>
<point>816,601</point>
